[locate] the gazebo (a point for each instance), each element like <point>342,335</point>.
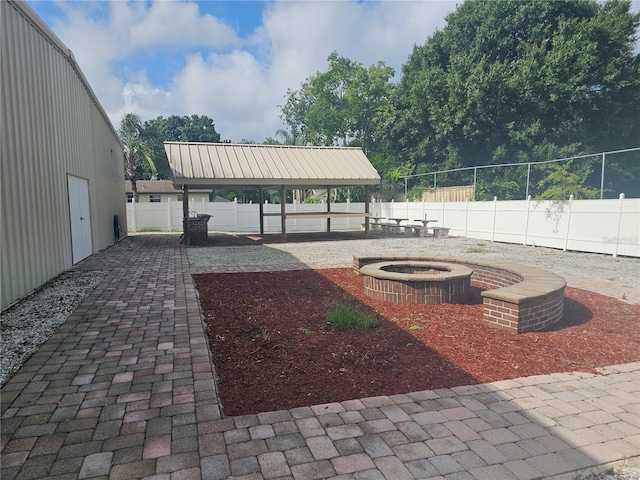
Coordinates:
<point>227,166</point>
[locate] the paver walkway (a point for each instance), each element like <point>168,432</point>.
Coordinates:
<point>125,389</point>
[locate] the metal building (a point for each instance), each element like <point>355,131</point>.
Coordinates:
<point>61,168</point>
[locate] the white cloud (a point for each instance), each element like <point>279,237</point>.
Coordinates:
<point>239,89</point>
<point>178,24</point>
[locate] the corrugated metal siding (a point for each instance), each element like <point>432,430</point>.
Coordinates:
<point>51,128</point>
<point>221,164</point>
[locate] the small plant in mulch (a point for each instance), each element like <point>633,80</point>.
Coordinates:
<point>344,315</point>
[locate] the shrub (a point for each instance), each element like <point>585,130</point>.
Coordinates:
<point>346,316</point>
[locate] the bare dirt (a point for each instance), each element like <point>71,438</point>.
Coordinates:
<point>273,349</point>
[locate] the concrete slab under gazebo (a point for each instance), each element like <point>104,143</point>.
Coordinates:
<point>226,166</point>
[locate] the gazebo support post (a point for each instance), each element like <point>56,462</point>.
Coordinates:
<point>283,212</point>
<point>261,207</point>
<point>185,215</point>
<point>328,209</point>
<point>366,210</point>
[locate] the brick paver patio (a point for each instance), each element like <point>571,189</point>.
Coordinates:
<point>124,389</point>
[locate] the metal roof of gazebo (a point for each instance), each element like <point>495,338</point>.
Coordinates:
<point>233,166</point>
<point>244,167</point>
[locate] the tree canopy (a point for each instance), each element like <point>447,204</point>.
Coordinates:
<point>341,105</point>
<point>516,81</point>
<point>194,128</point>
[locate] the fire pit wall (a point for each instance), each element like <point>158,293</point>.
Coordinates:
<point>519,297</point>
<point>417,282</point>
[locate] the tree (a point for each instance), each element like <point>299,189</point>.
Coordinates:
<point>136,150</point>
<point>517,81</point>
<point>341,105</point>
<point>194,128</point>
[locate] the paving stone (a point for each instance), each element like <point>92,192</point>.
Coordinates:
<point>64,466</point>
<point>285,442</point>
<point>322,448</point>
<point>327,408</point>
<point>429,418</point>
<point>351,417</point>
<point>313,470</point>
<point>108,429</point>
<point>446,464</point>
<point>493,472</point>
<point>344,431</point>
<point>446,445</point>
<point>550,464</point>
<point>261,432</point>
<point>252,448</point>
<point>284,428</point>
<point>157,446</point>
<point>215,467</point>
<point>126,455</point>
<point>369,475</point>
<point>348,446</point>
<point>352,463</point>
<point>413,451</point>
<point>48,444</point>
<point>522,470</point>
<point>128,471</point>
<point>296,456</point>
<point>486,451</point>
<point>377,426</point>
<point>468,459</point>
<point>421,468</point>
<point>34,430</point>
<point>462,431</point>
<point>36,467</point>
<point>238,435</point>
<point>374,446</point>
<point>512,451</point>
<point>392,467</point>
<point>395,414</point>
<point>310,427</point>
<point>499,436</point>
<point>96,465</point>
<point>244,466</point>
<point>273,465</point>
<point>15,459</point>
<point>413,431</point>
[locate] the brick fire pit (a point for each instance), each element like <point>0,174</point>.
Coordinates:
<point>428,283</point>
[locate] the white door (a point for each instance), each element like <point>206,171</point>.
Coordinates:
<point>80,216</point>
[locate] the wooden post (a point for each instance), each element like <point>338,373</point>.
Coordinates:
<point>261,207</point>
<point>185,215</point>
<point>328,209</point>
<point>283,214</point>
<point>366,210</point>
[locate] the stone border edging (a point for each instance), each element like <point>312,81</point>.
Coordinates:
<point>520,297</point>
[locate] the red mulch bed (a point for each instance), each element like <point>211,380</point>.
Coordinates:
<point>273,350</point>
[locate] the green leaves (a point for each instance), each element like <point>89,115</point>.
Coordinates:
<point>347,103</point>
<point>513,80</point>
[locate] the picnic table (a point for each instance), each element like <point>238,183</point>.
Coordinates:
<point>399,220</point>
<point>425,222</point>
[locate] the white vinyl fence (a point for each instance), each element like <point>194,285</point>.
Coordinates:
<point>599,226</point>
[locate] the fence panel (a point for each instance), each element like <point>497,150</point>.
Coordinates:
<point>601,226</point>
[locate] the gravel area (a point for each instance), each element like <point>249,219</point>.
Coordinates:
<point>25,326</point>
<point>622,270</point>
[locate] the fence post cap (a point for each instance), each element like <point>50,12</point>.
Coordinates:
<point>621,196</point>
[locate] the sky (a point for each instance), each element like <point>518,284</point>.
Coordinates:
<point>230,60</point>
